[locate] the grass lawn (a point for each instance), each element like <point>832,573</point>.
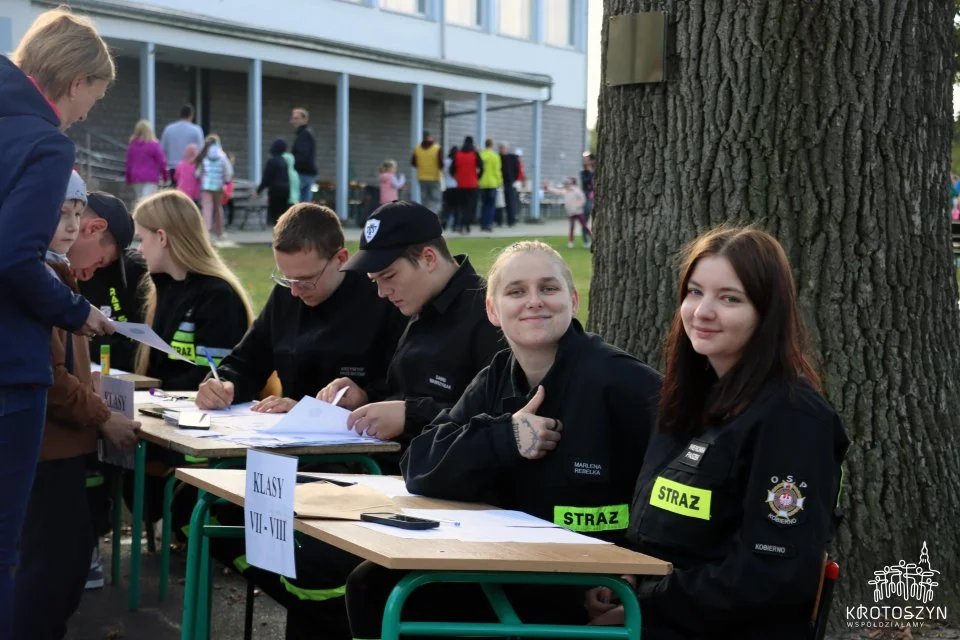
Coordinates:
<point>253,264</point>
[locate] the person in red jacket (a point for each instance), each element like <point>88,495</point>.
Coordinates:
<point>466,167</point>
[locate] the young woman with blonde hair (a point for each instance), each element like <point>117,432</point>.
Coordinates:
<point>556,427</point>
<point>146,166</point>
<point>193,301</point>
<point>57,73</point>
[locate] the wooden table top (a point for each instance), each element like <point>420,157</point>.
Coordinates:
<point>157,432</point>
<point>394,552</point>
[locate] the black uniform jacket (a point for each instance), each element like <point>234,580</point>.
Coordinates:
<point>744,512</point>
<point>199,311</point>
<point>606,400</point>
<point>353,333</point>
<point>106,289</point>
<point>442,349</point>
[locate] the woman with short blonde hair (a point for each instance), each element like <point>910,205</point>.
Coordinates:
<point>57,73</point>
<point>146,166</point>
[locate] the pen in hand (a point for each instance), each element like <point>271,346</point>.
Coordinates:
<point>213,367</point>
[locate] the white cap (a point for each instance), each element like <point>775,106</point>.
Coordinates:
<point>76,188</point>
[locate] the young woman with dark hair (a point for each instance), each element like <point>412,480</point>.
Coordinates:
<point>740,484</point>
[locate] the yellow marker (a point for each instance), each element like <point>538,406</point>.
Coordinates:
<point>681,499</point>
<point>105,359</point>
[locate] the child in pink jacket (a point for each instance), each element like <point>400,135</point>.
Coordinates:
<point>146,166</point>
<point>185,174</point>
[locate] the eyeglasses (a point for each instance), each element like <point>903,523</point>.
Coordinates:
<point>305,284</point>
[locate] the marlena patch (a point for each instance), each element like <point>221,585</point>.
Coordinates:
<point>785,500</point>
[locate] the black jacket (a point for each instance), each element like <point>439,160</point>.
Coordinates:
<point>510,168</point>
<point>353,333</point>
<point>200,311</point>
<point>304,152</point>
<point>442,349</point>
<point>106,289</point>
<point>606,400</point>
<point>744,513</point>
<point>275,175</point>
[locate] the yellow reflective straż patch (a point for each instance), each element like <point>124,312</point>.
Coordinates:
<point>186,349</point>
<point>609,518</point>
<point>681,499</point>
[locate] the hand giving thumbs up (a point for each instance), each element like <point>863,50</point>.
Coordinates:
<point>535,435</point>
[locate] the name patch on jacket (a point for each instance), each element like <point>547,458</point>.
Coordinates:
<point>441,382</point>
<point>586,470</point>
<point>353,372</point>
<point>779,550</point>
<point>584,519</point>
<point>694,453</point>
<point>681,499</point>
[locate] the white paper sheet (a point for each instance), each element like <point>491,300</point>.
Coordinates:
<point>531,535</point>
<point>268,512</point>
<point>388,486</point>
<point>143,333</point>
<point>118,395</point>
<point>483,518</point>
<point>314,416</point>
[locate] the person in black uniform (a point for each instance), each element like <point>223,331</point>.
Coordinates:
<point>119,289</point>
<point>319,323</point>
<point>740,485</point>
<point>197,304</point>
<point>448,339</point>
<point>556,427</point>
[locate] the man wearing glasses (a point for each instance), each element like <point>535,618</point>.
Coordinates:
<point>319,323</point>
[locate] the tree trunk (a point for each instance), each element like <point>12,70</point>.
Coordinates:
<point>828,123</point>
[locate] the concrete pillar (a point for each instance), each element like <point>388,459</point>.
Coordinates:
<point>535,173</point>
<point>148,83</point>
<point>254,120</point>
<point>416,135</point>
<point>481,119</point>
<point>343,146</point>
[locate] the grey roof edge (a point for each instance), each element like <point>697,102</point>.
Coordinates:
<point>204,24</point>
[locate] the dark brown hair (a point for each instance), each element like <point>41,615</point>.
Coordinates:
<point>692,397</point>
<point>308,226</point>
<point>414,251</point>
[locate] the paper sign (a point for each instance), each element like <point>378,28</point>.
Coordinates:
<point>146,335</point>
<point>118,395</point>
<point>268,512</point>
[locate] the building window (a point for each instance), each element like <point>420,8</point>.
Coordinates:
<point>463,12</point>
<point>560,22</point>
<point>405,6</point>
<point>516,18</point>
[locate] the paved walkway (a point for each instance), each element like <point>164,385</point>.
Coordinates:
<point>551,227</point>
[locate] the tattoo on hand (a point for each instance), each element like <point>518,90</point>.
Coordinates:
<point>525,435</point>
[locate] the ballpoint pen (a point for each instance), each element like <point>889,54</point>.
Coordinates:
<point>213,367</point>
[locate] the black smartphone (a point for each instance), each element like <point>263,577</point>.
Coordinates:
<point>303,478</point>
<point>152,410</point>
<point>399,520</point>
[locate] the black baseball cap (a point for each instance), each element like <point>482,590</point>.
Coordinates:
<point>389,231</point>
<point>119,221</point>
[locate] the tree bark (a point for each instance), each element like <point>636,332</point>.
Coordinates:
<point>828,123</point>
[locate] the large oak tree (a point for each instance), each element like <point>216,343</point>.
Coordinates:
<point>828,123</point>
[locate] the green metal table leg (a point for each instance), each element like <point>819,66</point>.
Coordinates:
<point>202,624</point>
<point>115,554</point>
<point>194,553</point>
<point>509,625</point>
<point>165,533</point>
<point>139,470</point>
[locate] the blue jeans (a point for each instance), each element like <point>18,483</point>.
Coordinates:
<point>22,413</point>
<point>306,187</point>
<point>488,207</point>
